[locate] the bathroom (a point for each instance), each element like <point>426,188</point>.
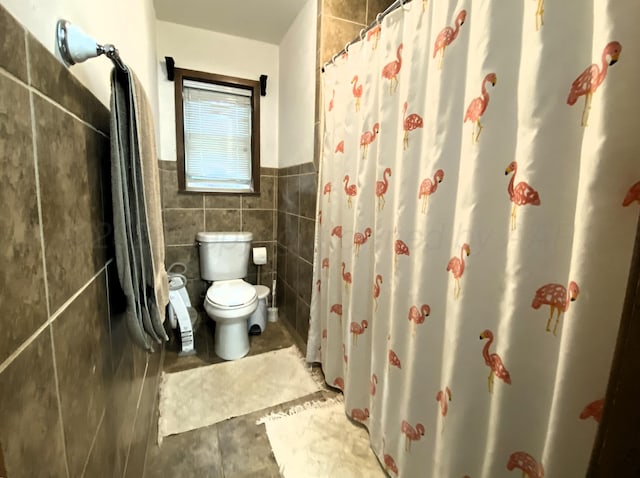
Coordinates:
<point>77,398</point>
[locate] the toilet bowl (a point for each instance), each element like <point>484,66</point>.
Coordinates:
<point>230,303</point>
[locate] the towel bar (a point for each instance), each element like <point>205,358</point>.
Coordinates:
<point>75,46</point>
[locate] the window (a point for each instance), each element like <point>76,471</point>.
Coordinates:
<point>217,132</point>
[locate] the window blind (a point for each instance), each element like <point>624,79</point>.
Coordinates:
<point>217,136</point>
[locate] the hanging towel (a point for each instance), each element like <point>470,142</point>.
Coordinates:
<point>137,215</point>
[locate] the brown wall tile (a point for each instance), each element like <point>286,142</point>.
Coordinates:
<point>29,422</point>
<point>182,225</point>
<point>81,346</point>
<point>171,198</point>
<point>291,275</point>
<point>308,192</point>
<point>291,223</point>
<point>302,319</point>
<point>188,255</point>
<point>13,55</point>
<point>266,199</point>
<point>306,238</point>
<point>54,80</point>
<point>260,223</point>
<point>69,161</point>
<point>222,201</point>
<point>377,6</point>
<point>335,35</point>
<point>353,10</point>
<point>21,272</point>
<point>305,280</point>
<point>222,220</point>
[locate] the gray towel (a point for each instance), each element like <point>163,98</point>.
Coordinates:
<point>137,214</point>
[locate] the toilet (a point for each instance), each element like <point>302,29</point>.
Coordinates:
<point>230,301</point>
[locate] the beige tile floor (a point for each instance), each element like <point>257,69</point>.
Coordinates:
<point>235,448</point>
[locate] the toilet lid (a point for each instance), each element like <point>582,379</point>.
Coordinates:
<point>231,293</point>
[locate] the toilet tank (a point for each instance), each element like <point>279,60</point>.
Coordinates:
<point>224,255</point>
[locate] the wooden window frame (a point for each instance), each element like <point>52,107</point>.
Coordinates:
<point>242,83</point>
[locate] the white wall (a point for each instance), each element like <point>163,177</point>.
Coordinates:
<point>130,26</point>
<point>203,50</point>
<point>297,88</point>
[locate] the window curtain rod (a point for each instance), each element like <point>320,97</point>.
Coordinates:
<point>379,17</point>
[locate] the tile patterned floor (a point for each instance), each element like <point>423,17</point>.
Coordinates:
<point>235,448</point>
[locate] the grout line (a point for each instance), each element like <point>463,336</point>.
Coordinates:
<point>56,382</point>
<point>135,420</point>
<point>9,360</point>
<point>93,441</point>
<point>43,96</point>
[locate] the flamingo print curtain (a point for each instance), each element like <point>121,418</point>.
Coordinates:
<point>478,198</point>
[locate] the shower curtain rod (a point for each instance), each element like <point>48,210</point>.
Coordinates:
<point>75,46</point>
<point>379,17</point>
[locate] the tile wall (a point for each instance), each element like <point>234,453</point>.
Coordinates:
<point>297,186</point>
<point>339,21</point>
<point>76,398</point>
<point>186,214</point>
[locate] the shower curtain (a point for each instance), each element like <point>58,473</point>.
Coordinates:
<point>478,198</point>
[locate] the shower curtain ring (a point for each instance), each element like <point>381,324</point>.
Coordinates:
<point>379,18</point>
<point>361,35</point>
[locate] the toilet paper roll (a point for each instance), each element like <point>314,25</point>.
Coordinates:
<point>259,255</point>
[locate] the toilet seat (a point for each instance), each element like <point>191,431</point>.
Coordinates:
<point>231,294</point>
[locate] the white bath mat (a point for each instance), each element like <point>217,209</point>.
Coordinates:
<point>319,442</point>
<point>203,396</point>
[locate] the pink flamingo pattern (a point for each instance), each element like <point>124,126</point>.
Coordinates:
<point>360,415</point>
<point>318,284</point>
<point>400,249</point>
<point>336,309</point>
<point>325,264</point>
<point>381,188</point>
<point>340,147</point>
<point>428,187</point>
<point>357,92</point>
<point>557,298</point>
<point>411,434</point>
<point>391,70</point>
<point>394,360</point>
<point>326,190</point>
<point>632,195</point>
<point>418,316</point>
<point>593,410</point>
<point>389,462</point>
<point>521,194</point>
<point>358,329</point>
<point>443,397</point>
<point>333,95</point>
<point>478,106</point>
<point>372,384</point>
<point>346,277</point>
<point>350,190</point>
<point>374,34</point>
<point>591,78</point>
<point>456,267</point>
<point>359,238</point>
<point>339,382</point>
<point>367,138</point>
<point>526,463</point>
<point>447,35</point>
<point>345,357</point>
<point>409,123</point>
<point>337,232</point>
<point>376,290</point>
<point>493,361</point>
<point>539,14</point>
